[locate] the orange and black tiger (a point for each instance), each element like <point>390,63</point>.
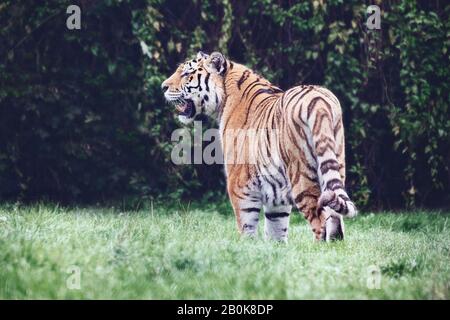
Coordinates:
<point>294,155</point>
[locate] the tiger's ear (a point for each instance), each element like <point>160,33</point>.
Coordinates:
<point>216,63</point>
<point>201,55</point>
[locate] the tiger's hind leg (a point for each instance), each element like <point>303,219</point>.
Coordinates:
<point>325,223</point>
<point>334,225</point>
<point>306,201</point>
<point>276,223</point>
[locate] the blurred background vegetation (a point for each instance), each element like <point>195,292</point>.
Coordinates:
<point>82,116</point>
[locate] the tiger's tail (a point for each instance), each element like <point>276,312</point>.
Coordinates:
<point>327,136</point>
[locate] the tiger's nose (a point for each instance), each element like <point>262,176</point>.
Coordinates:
<point>164,87</point>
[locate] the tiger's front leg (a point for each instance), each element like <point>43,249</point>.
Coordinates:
<point>246,210</point>
<point>277,222</point>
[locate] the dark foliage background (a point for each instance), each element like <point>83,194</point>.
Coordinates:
<point>82,117</point>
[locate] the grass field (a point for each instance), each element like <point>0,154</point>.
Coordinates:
<point>197,254</point>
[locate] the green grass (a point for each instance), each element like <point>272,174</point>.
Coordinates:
<point>197,254</point>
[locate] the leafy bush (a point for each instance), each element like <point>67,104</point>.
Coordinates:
<point>82,117</point>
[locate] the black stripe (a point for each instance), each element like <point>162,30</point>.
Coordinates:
<point>328,165</point>
<point>276,215</point>
<point>299,198</point>
<point>199,78</point>
<point>250,106</point>
<point>199,85</point>
<point>244,77</point>
<point>251,86</point>
<point>311,105</point>
<point>308,89</point>
<point>344,197</point>
<point>206,81</point>
<point>260,91</point>
<point>250,209</point>
<point>225,67</point>
<point>334,184</point>
<point>276,89</point>
<point>274,189</point>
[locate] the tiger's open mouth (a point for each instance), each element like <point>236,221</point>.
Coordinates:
<point>186,108</point>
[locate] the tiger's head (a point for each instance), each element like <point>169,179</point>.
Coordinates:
<point>197,86</point>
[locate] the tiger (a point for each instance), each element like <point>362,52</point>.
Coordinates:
<point>306,154</point>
